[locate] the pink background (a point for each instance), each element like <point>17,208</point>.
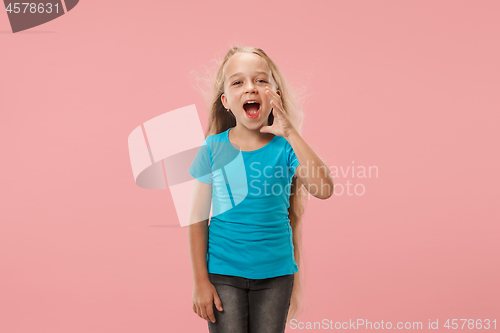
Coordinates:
<point>410,87</point>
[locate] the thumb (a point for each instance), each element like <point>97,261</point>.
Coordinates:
<point>265,129</point>
<point>217,302</point>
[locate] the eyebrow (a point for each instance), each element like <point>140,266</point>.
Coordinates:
<point>258,72</point>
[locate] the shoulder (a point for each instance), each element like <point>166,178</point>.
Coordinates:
<point>216,137</point>
<point>211,138</point>
<point>282,142</point>
<point>214,142</point>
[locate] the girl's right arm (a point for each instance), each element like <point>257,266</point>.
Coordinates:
<point>204,292</point>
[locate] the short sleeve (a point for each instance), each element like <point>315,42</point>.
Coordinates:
<point>292,160</point>
<point>201,168</point>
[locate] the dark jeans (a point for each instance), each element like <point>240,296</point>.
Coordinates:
<point>251,306</point>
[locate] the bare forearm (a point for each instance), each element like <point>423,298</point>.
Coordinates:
<point>313,172</point>
<point>197,234</point>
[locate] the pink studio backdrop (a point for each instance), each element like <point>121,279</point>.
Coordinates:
<point>408,87</point>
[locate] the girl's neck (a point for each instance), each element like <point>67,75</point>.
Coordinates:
<point>247,137</point>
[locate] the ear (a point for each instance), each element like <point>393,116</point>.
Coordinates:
<point>223,100</point>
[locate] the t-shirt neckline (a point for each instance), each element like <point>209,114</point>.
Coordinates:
<point>250,151</point>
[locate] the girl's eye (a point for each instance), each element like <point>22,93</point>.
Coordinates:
<point>236,82</point>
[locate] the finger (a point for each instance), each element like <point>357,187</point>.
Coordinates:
<point>210,313</point>
<point>282,113</point>
<point>277,104</point>
<point>202,312</point>
<point>272,95</point>
<point>217,302</point>
<point>277,110</point>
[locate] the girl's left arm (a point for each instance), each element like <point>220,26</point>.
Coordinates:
<point>312,172</point>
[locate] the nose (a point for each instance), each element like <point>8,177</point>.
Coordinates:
<point>250,87</point>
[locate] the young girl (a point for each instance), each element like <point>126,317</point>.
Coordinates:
<point>252,166</point>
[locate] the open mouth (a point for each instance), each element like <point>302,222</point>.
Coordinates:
<point>252,109</point>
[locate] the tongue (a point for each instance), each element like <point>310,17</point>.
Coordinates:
<point>251,108</point>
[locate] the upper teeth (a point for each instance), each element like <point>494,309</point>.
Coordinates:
<point>252,102</point>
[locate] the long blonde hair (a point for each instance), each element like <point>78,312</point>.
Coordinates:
<point>220,120</point>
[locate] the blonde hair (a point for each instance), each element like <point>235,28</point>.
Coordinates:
<point>221,120</point>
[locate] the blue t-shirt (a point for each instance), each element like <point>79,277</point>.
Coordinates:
<point>249,234</point>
